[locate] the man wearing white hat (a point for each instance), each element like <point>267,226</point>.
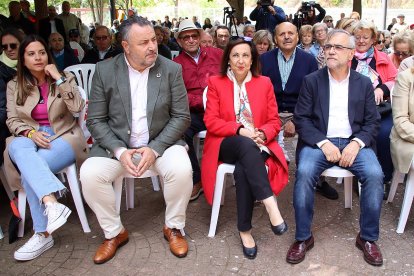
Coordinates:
<point>198,63</point>
<point>400,26</point>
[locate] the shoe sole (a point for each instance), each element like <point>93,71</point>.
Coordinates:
<point>177,255</point>
<point>301,259</point>
<point>197,195</point>
<point>63,218</point>
<point>365,258</point>
<point>119,246</point>
<point>46,247</point>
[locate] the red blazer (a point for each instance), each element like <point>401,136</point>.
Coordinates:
<point>220,121</point>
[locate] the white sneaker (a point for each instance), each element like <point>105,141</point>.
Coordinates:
<point>34,247</point>
<point>57,215</point>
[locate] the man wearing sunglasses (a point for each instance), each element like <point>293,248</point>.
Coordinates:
<point>198,63</point>
<point>103,46</point>
<point>337,122</point>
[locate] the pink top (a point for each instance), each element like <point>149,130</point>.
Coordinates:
<point>39,113</point>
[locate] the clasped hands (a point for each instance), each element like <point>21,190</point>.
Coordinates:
<point>147,159</point>
<point>346,158</point>
<point>257,135</point>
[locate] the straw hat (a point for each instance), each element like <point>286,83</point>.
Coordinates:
<point>186,25</point>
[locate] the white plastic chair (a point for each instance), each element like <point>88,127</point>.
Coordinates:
<point>340,173</point>
<point>201,134</point>
<point>129,187</point>
<point>83,74</point>
<point>174,54</point>
<point>73,182</point>
<point>408,196</point>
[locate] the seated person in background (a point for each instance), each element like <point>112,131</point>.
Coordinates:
<point>403,45</point>
<point>248,31</point>
<point>263,41</point>
<point>162,48</point>
<point>222,37</point>
<point>206,40</point>
<point>103,46</point>
<point>337,122</point>
<point>305,38</point>
<point>234,137</point>
<point>402,133</point>
<point>62,55</point>
<point>329,22</point>
<point>198,65</point>
<point>133,134</point>
<point>167,41</point>
<point>46,139</point>
<point>74,36</point>
<point>319,31</point>
<point>51,24</point>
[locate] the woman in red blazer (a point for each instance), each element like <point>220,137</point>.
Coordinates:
<point>242,122</point>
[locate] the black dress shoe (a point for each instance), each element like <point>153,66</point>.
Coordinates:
<point>298,249</point>
<point>326,190</point>
<point>279,229</point>
<point>372,253</point>
<point>387,187</point>
<point>249,252</point>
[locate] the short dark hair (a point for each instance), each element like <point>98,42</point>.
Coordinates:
<point>223,27</point>
<point>126,25</point>
<point>17,33</point>
<point>254,69</point>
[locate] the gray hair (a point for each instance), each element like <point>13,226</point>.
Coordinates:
<point>366,25</point>
<point>333,32</point>
<point>404,37</point>
<point>102,27</point>
<point>261,35</point>
<point>126,25</point>
<point>247,26</point>
<point>319,25</point>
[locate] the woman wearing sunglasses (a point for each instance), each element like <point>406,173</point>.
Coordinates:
<point>403,45</point>
<point>46,138</point>
<point>380,43</point>
<point>10,41</point>
<point>378,67</point>
<point>242,123</point>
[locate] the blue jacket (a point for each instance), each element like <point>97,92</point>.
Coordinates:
<point>303,65</point>
<point>265,20</point>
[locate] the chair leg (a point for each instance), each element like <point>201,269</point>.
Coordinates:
<point>196,145</point>
<point>217,199</point>
<point>129,191</point>
<point>348,192</point>
<point>22,211</point>
<point>408,200</point>
<point>73,181</point>
<point>394,185</point>
<point>339,180</point>
<point>118,193</point>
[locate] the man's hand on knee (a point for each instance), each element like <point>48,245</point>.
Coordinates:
<point>126,161</point>
<point>290,130</point>
<point>349,153</point>
<point>148,158</point>
<point>331,152</point>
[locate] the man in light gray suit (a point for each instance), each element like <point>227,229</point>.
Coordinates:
<point>138,113</point>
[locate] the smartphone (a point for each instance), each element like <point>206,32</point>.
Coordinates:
<point>136,158</point>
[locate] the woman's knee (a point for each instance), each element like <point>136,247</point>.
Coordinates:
<point>20,145</point>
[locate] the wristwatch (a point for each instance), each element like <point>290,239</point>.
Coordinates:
<point>60,81</point>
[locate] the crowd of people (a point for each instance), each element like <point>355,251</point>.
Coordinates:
<point>330,86</point>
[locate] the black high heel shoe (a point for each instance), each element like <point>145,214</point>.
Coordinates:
<point>249,252</point>
<point>279,229</point>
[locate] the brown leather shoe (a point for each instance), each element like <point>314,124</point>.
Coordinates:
<point>197,191</point>
<point>108,248</point>
<point>372,253</point>
<point>298,249</point>
<point>178,244</point>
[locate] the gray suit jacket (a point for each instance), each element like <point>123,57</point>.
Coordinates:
<point>110,114</point>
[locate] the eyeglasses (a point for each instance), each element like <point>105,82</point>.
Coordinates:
<point>187,37</point>
<point>13,46</point>
<point>336,47</point>
<point>104,37</point>
<point>401,54</point>
<point>329,20</point>
<point>381,41</point>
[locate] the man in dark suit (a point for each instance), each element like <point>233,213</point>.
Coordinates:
<point>63,55</point>
<point>51,24</point>
<point>138,112</point>
<point>103,48</point>
<point>286,66</point>
<point>337,122</point>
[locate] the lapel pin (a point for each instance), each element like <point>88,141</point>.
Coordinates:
<point>158,75</point>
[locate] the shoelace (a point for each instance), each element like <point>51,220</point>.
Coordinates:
<point>36,237</point>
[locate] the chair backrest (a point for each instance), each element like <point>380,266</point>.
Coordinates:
<point>83,74</point>
<point>174,54</point>
<point>205,97</point>
<point>83,114</point>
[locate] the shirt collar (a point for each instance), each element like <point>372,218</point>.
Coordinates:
<point>331,78</point>
<point>197,56</point>
<point>291,57</point>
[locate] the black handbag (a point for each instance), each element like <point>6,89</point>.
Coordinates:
<point>384,108</point>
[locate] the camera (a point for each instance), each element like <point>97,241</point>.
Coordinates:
<point>307,6</point>
<point>229,10</point>
<point>265,3</point>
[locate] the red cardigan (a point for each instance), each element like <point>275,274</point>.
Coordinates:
<point>220,121</point>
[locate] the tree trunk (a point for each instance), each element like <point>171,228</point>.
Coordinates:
<point>176,8</point>
<point>357,6</point>
<point>41,9</point>
<point>92,6</point>
<point>238,5</point>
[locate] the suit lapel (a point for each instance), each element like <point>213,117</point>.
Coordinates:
<point>123,87</point>
<point>324,96</point>
<point>277,75</point>
<point>153,89</point>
